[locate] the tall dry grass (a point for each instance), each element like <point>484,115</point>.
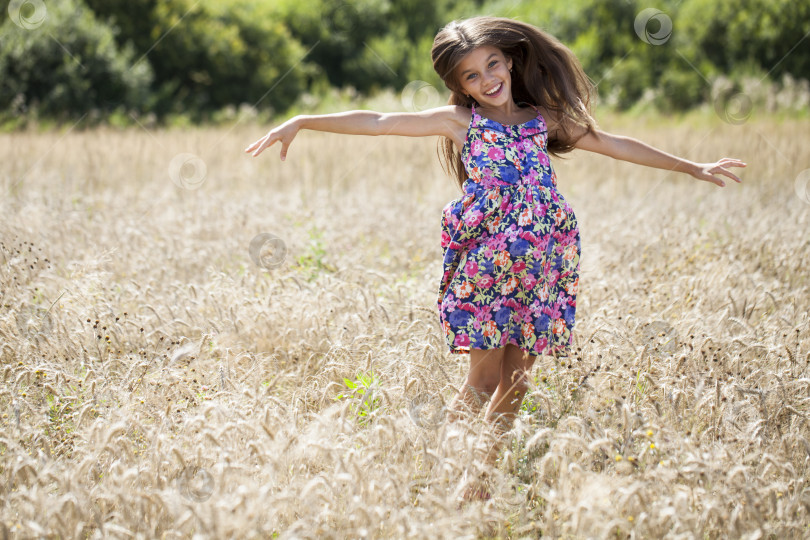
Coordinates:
<point>159,383</point>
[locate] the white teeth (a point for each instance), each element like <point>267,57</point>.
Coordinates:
<point>494,90</point>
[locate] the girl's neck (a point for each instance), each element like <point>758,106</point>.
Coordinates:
<point>509,113</point>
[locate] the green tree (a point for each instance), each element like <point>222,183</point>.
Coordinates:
<point>65,63</point>
<point>734,35</point>
<point>209,54</point>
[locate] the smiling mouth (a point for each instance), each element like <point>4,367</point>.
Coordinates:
<point>494,90</point>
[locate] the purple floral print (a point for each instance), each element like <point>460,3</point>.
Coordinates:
<point>510,245</point>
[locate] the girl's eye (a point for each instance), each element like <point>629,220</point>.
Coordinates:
<point>493,63</point>
<point>470,76</point>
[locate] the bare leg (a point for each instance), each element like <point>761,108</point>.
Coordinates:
<point>514,383</point>
<point>482,380</point>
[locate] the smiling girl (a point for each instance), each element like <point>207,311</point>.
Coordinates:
<point>511,242</point>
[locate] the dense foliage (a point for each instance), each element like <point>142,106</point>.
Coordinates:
<point>70,58</point>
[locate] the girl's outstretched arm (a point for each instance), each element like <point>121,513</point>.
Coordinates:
<point>448,121</point>
<point>635,151</point>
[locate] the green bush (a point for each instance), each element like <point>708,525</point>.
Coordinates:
<point>768,34</point>
<point>210,54</point>
<point>199,60</point>
<point>67,66</point>
<point>366,44</point>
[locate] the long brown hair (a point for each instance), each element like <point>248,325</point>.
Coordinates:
<point>544,73</point>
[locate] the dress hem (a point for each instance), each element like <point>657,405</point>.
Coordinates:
<point>553,352</point>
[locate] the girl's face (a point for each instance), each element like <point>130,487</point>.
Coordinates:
<point>484,76</point>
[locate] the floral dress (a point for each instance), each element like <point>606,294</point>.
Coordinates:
<point>510,244</point>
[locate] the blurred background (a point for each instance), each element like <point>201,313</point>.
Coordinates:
<point>192,61</point>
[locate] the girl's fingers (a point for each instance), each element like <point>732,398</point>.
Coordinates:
<point>260,145</point>
<point>254,146</point>
<point>265,143</point>
<point>719,168</point>
<point>730,175</point>
<point>730,162</point>
<point>256,143</point>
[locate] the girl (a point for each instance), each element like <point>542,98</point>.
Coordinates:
<point>510,242</point>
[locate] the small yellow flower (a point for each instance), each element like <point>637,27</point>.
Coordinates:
<point>649,433</point>
<point>631,459</point>
<point>652,446</point>
<point>618,457</point>
<point>629,518</point>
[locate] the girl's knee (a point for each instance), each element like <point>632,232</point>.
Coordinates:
<point>518,380</point>
<point>485,385</point>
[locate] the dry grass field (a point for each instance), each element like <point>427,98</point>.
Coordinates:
<point>161,378</point>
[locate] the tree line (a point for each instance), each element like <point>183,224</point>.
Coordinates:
<point>72,59</point>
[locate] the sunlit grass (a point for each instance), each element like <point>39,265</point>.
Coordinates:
<point>157,382</point>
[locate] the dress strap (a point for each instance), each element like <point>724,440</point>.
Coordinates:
<point>540,116</point>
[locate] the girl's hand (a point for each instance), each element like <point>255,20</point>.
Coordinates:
<point>707,171</point>
<point>285,133</point>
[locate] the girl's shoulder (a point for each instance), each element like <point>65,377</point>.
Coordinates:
<point>461,115</point>
<point>551,118</point>
<point>455,114</point>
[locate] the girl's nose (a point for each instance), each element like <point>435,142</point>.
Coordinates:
<point>487,81</point>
